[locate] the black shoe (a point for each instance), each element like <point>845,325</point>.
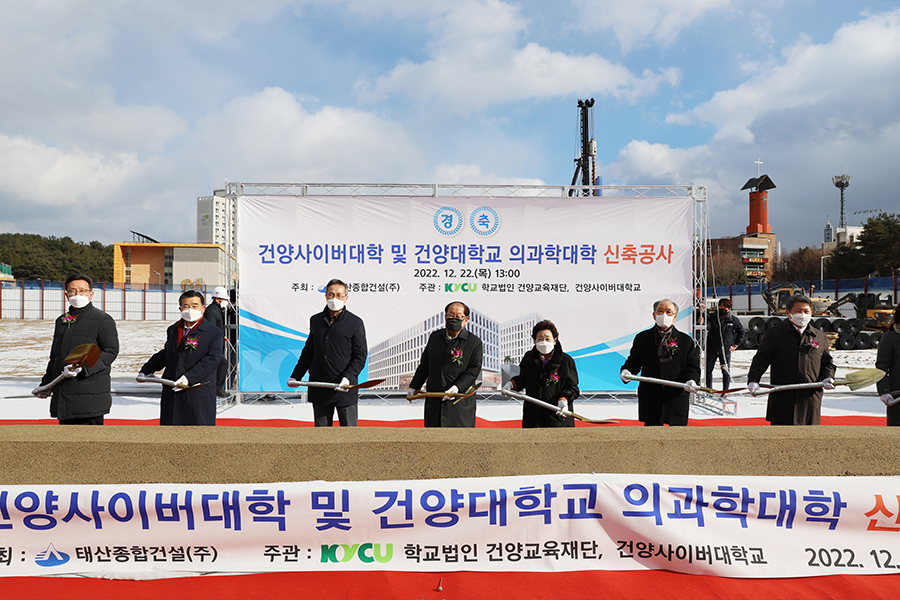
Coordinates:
<point>222,394</point>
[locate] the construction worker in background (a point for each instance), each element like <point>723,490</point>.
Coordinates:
<point>215,314</point>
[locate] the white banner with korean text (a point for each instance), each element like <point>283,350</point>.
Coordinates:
<point>722,526</point>
<point>592,265</point>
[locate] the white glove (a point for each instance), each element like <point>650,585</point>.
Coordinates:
<point>828,383</point>
<point>68,371</point>
<point>40,395</point>
<point>690,386</point>
<point>340,387</point>
<point>888,399</point>
<point>562,404</point>
<point>508,385</point>
<point>183,380</point>
<point>752,387</point>
<point>293,383</point>
<point>410,394</point>
<point>452,390</point>
<point>625,374</point>
<point>139,377</point>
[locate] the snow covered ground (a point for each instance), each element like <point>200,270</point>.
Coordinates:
<point>25,345</point>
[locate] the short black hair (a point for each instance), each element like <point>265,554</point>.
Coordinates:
<point>191,294</point>
<point>79,277</point>
<point>544,325</point>
<point>463,304</point>
<point>726,303</point>
<point>798,299</point>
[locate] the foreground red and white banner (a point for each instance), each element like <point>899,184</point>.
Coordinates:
<point>757,527</point>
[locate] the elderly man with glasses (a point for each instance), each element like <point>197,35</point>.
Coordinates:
<point>335,352</point>
<point>450,363</point>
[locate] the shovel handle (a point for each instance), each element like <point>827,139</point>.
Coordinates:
<point>43,389</point>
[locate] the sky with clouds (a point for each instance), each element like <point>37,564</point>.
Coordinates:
<point>115,115</point>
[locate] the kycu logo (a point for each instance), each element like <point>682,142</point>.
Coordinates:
<point>460,287</point>
<point>367,553</point>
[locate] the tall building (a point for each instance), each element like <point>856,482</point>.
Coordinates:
<point>829,232</point>
<point>515,337</point>
<point>755,250</point>
<point>216,223</point>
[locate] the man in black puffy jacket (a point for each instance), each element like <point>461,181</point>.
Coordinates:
<point>83,397</point>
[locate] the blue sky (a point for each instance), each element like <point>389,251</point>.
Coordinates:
<point>115,115</point>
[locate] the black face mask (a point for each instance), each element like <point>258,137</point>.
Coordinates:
<point>454,324</point>
<point>723,313</point>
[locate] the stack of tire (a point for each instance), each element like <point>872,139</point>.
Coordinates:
<point>850,335</point>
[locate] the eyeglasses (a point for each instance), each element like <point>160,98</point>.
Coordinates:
<point>331,295</point>
<point>80,292</point>
<point>459,316</point>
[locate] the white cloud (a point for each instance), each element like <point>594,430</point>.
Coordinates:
<point>477,61</point>
<point>471,174</point>
<point>43,176</point>
<point>826,108</point>
<point>270,136</point>
<point>637,23</point>
<point>850,83</point>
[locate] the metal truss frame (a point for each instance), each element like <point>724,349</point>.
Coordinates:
<point>233,190</point>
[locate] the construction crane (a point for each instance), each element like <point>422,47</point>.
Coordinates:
<point>585,165</point>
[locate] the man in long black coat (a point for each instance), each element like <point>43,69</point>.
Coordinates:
<point>84,396</point>
<point>191,355</point>
<point>335,352</point>
<point>663,352</point>
<point>450,363</point>
<point>724,335</point>
<point>797,353</point>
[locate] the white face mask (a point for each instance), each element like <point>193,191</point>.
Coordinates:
<point>665,321</point>
<point>801,320</point>
<point>191,314</point>
<point>79,301</point>
<point>335,304</point>
<point>224,303</point>
<point>544,347</point>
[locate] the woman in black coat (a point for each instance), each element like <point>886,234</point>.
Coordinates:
<point>888,360</point>
<point>546,373</point>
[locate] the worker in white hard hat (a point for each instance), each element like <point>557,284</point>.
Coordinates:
<point>215,314</point>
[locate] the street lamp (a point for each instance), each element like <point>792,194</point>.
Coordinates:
<point>158,284</point>
<point>822,270</point>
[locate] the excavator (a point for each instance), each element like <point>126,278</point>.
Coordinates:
<point>873,310</point>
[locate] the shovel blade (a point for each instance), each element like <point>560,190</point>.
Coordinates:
<point>83,355</point>
<point>863,378</point>
<point>366,384</point>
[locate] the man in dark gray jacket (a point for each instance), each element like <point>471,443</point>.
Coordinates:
<point>335,352</point>
<point>83,397</point>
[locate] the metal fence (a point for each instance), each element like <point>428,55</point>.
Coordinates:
<point>131,302</point>
<point>749,297</point>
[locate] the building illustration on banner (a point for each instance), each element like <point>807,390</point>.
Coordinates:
<point>396,358</point>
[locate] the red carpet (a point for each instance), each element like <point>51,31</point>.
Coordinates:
<point>481,423</point>
<point>609,585</point>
